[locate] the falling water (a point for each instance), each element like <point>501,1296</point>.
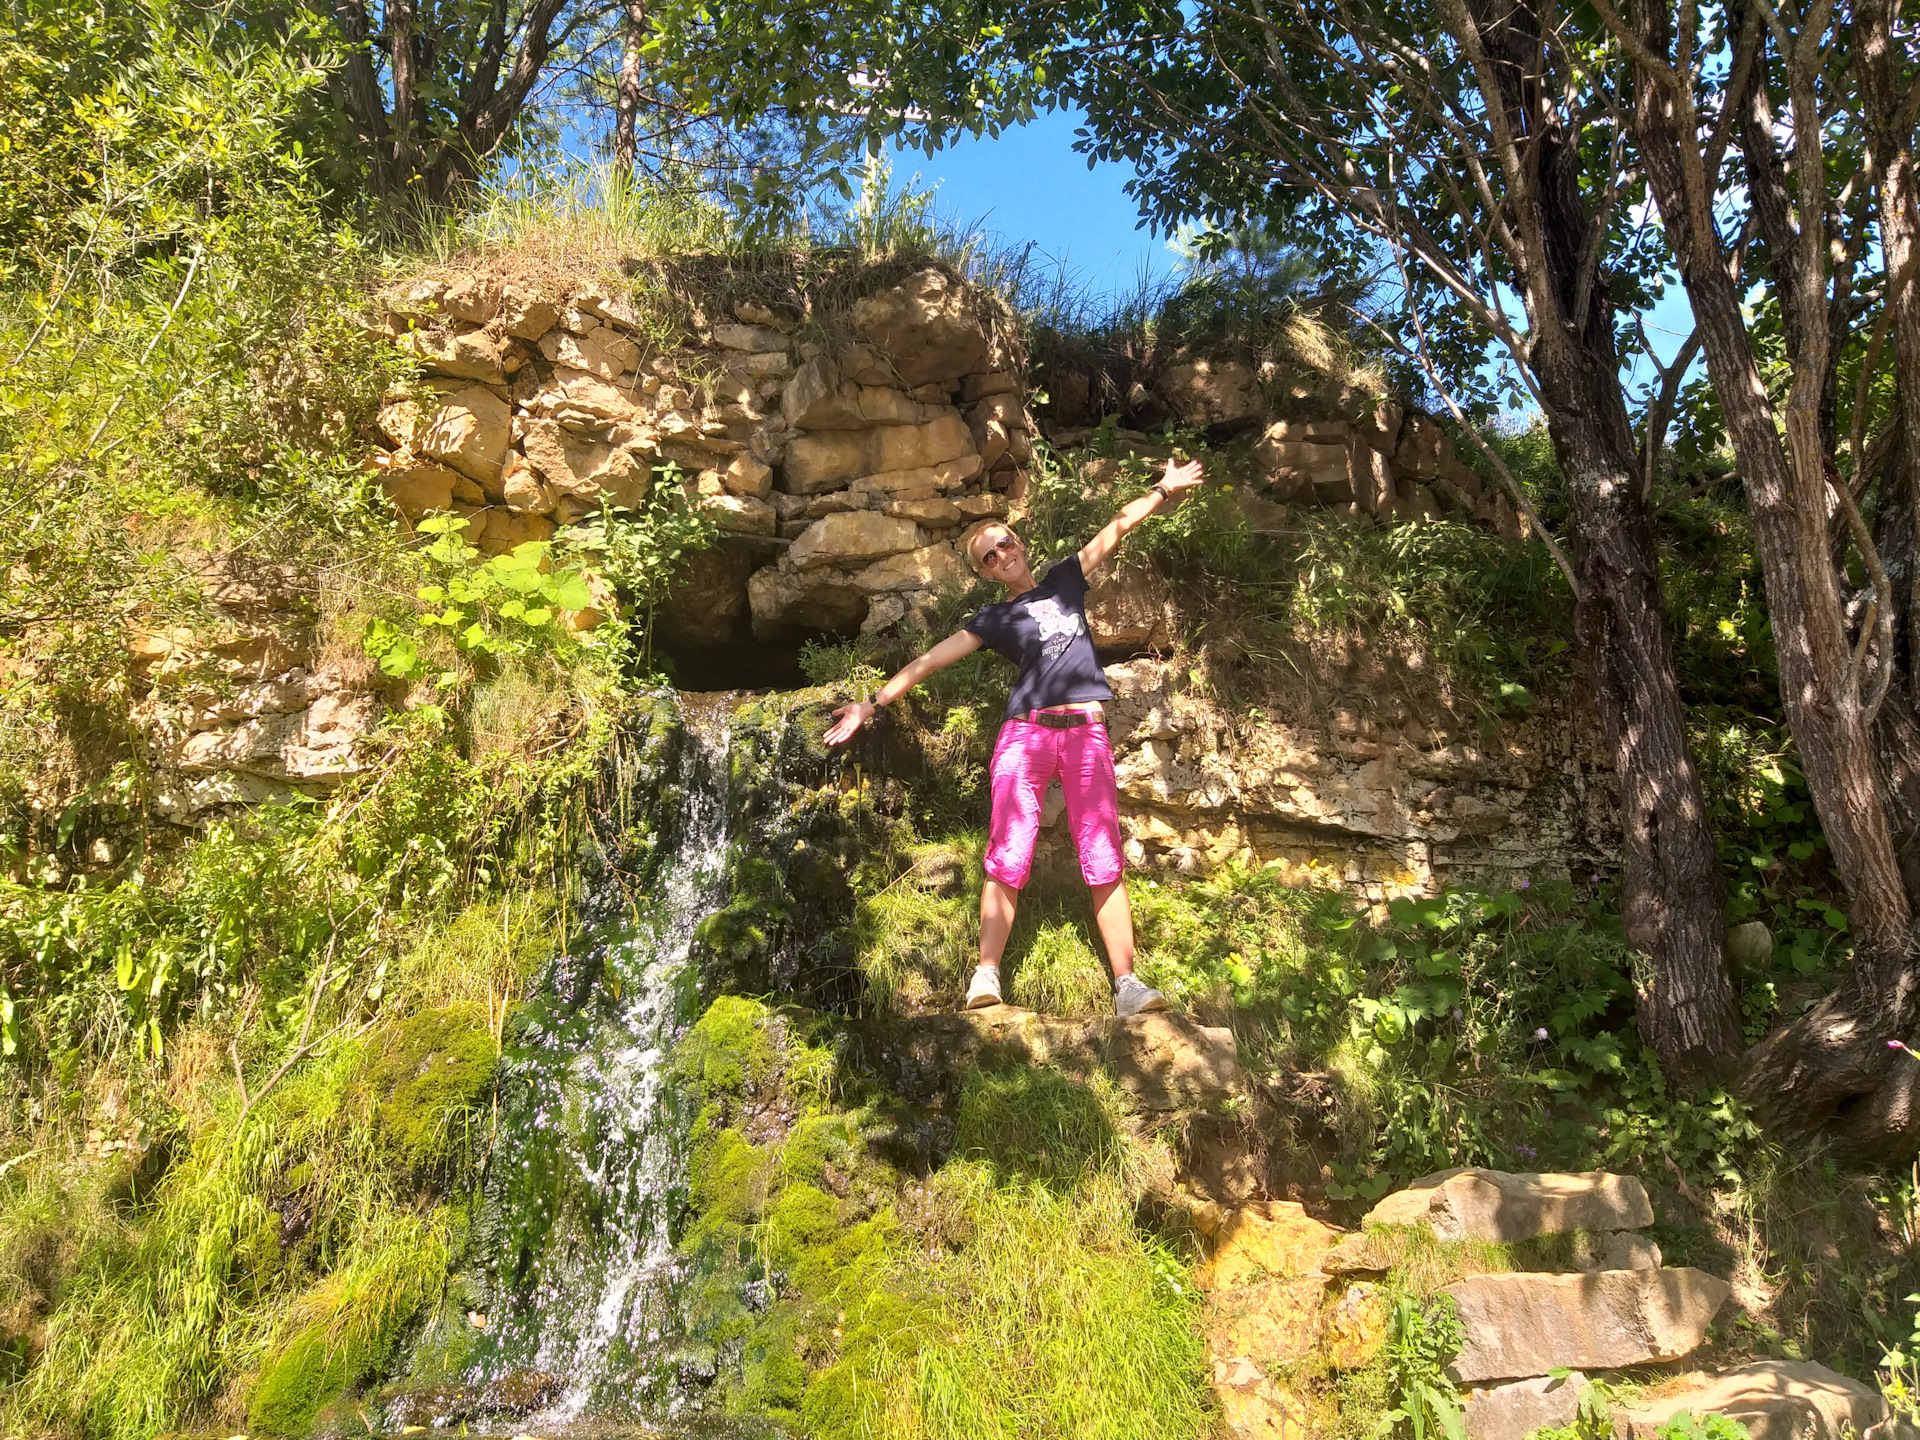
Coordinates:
<point>573,1239</point>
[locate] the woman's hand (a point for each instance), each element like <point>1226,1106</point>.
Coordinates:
<point>847,721</point>
<point>1182,477</point>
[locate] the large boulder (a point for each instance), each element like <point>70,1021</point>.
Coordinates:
<point>471,355</point>
<point>852,536</point>
<point>927,328</point>
<point>585,469</point>
<point>602,351</point>
<point>1300,458</point>
<point>1515,1411</point>
<point>1494,1205</point>
<point>931,567</point>
<point>824,460</point>
<point>415,490</point>
<point>469,433</point>
<point>1127,608</point>
<point>1527,1324</point>
<point>1213,392</point>
<point>1774,1399</point>
<point>818,398</point>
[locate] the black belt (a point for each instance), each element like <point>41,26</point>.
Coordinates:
<point>1061,720</point>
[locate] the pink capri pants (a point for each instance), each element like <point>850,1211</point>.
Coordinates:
<point>1025,758</point>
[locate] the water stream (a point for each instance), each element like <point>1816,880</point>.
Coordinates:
<point>573,1244</point>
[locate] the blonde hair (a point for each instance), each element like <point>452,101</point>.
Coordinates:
<point>972,532</point>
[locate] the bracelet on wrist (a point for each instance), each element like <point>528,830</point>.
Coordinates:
<point>1162,491</point>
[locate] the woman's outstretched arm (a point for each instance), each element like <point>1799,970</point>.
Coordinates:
<point>849,718</point>
<point>1178,478</point>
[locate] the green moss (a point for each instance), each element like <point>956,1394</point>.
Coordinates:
<point>729,1053</point>
<point>431,1071</point>
<point>345,1330</point>
<point>815,1142</point>
<point>860,1330</point>
<point>308,1373</point>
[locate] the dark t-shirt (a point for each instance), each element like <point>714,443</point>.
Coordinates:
<point>1044,632</point>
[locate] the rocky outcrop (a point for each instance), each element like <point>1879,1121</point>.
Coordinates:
<point>240,708</point>
<point>1493,1205</point>
<point>1384,809</point>
<point>541,405</point>
<point>846,467</point>
<point>1286,1304</point>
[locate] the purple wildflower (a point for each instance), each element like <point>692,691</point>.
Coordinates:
<point>1541,1033</point>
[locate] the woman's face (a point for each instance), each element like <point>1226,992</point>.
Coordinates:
<point>999,553</point>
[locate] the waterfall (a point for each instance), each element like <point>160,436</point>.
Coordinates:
<point>573,1242</point>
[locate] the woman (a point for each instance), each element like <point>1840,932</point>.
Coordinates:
<point>1053,729</point>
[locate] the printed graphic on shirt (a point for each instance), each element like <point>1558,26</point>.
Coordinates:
<point>1058,622</point>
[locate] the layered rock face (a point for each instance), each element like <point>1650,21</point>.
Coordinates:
<point>844,469</point>
<point>845,454</point>
<point>1382,807</point>
<point>242,707</point>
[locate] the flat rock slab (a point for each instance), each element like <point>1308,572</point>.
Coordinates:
<point>1165,1061</point>
<point>1271,1238</point>
<point>1526,1324</point>
<point>1273,1323</point>
<point>1515,1411</point>
<point>1494,1205</point>
<point>1774,1399</point>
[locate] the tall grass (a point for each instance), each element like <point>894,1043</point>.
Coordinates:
<point>1059,1317</point>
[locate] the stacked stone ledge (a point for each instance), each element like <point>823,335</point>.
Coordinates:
<point>1374,463</point>
<point>848,469</point>
<point>870,449</point>
<point>1284,1287</point>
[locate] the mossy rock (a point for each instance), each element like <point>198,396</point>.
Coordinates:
<point>306,1375</point>
<point>427,1070</point>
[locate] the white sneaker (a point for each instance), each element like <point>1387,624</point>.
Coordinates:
<point>985,989</point>
<point>1133,996</point>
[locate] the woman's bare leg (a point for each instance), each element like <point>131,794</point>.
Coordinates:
<point>1113,915</point>
<point>998,903</point>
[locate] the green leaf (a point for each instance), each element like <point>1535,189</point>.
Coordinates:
<point>569,591</point>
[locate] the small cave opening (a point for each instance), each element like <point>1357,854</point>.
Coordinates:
<point>703,636</point>
<point>738,662</point>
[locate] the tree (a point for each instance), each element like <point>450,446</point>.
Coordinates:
<point>1798,106</point>
<point>428,92</point>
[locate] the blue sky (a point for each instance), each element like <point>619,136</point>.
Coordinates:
<point>1028,185</point>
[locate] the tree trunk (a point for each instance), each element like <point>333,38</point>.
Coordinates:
<point>627,102</point>
<point>1673,894</point>
<point>1820,1069</point>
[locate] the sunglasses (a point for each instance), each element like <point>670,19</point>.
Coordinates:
<point>990,557</point>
